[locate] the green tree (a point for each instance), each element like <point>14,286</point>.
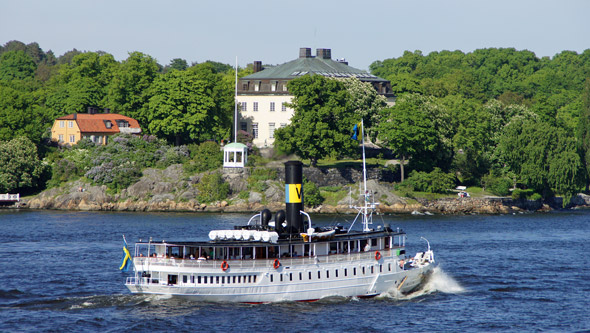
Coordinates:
<point>543,157</point>
<point>21,168</point>
<point>322,122</point>
<point>366,103</point>
<point>189,106</point>
<point>16,65</point>
<point>127,92</point>
<point>409,129</point>
<point>583,132</point>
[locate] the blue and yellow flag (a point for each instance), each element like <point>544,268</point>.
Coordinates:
<point>356,130</point>
<point>127,259</point>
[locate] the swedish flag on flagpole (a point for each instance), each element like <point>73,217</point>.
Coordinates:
<point>358,128</point>
<point>127,260</point>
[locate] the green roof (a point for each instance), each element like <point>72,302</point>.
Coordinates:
<point>302,66</point>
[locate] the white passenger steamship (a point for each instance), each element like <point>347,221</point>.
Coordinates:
<point>282,260</point>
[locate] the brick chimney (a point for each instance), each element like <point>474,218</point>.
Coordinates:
<point>305,52</point>
<point>257,66</point>
<point>324,53</point>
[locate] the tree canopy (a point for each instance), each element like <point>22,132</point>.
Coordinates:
<point>323,120</point>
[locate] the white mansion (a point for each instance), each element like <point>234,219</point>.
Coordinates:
<point>262,95</point>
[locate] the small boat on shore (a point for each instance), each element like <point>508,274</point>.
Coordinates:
<point>287,259</point>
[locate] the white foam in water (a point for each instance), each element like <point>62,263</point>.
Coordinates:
<point>439,281</point>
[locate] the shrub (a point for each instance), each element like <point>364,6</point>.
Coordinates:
<point>518,194</point>
<point>311,194</point>
<point>212,188</point>
<point>434,182</point>
<point>204,157</point>
<point>497,185</point>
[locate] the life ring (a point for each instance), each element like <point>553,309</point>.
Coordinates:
<point>224,266</point>
<point>276,264</point>
<point>377,255</point>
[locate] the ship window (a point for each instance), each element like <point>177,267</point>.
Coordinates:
<point>372,270</point>
<point>310,275</point>
<point>327,274</point>
<point>249,278</point>
<point>300,276</point>
<point>223,280</point>
<point>199,279</point>
<point>290,276</point>
<point>319,276</point>
<point>354,271</point>
<point>380,268</point>
<point>217,279</point>
<point>204,279</point>
<point>363,270</point>
<point>346,272</point>
<point>192,279</point>
<point>271,277</point>
<point>336,273</point>
<point>184,279</point>
<point>254,279</point>
<point>281,277</point>
<point>234,279</point>
<point>374,242</point>
<point>239,279</point>
<point>389,266</point>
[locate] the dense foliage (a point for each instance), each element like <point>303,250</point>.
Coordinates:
<point>489,117</point>
<point>322,121</point>
<point>508,116</point>
<point>21,169</point>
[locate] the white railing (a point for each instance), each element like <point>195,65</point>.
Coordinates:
<point>129,130</point>
<point>252,263</point>
<point>10,197</point>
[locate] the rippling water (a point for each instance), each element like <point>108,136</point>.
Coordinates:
<point>59,272</point>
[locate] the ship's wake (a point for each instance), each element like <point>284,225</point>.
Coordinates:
<point>438,281</point>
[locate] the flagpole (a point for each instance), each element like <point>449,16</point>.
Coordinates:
<point>236,105</point>
<point>364,163</point>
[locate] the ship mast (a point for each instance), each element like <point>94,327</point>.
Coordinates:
<point>369,206</point>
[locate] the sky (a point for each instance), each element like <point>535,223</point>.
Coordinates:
<point>272,31</point>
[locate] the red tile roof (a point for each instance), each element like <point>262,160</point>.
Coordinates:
<point>95,123</point>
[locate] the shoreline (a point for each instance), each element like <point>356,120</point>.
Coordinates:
<point>444,206</point>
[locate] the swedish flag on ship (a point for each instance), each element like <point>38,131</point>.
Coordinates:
<point>127,259</point>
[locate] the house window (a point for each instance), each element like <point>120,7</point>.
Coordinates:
<point>255,106</point>
<point>271,130</point>
<point>62,124</point>
<point>255,130</point>
<point>245,86</point>
<point>61,138</point>
<point>244,106</point>
<point>244,126</point>
<point>108,124</point>
<point>272,106</point>
<point>283,125</point>
<point>72,138</point>
<point>273,86</point>
<point>257,86</point>
<point>71,124</point>
<point>285,86</point>
<point>284,107</point>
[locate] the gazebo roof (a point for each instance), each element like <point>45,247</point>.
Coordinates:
<point>235,145</point>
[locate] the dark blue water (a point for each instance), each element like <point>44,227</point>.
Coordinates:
<point>59,272</point>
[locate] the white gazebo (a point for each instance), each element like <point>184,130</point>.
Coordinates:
<point>235,155</point>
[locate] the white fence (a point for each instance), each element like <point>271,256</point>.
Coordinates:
<point>10,197</point>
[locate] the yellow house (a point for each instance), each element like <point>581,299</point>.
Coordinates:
<point>70,129</point>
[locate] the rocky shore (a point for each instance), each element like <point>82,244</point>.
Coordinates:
<point>169,190</point>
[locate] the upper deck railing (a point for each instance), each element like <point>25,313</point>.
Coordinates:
<point>270,262</point>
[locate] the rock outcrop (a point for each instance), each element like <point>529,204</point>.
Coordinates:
<point>171,190</point>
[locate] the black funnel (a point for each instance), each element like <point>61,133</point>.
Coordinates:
<point>294,195</point>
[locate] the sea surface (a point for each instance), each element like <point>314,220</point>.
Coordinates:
<point>525,272</point>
